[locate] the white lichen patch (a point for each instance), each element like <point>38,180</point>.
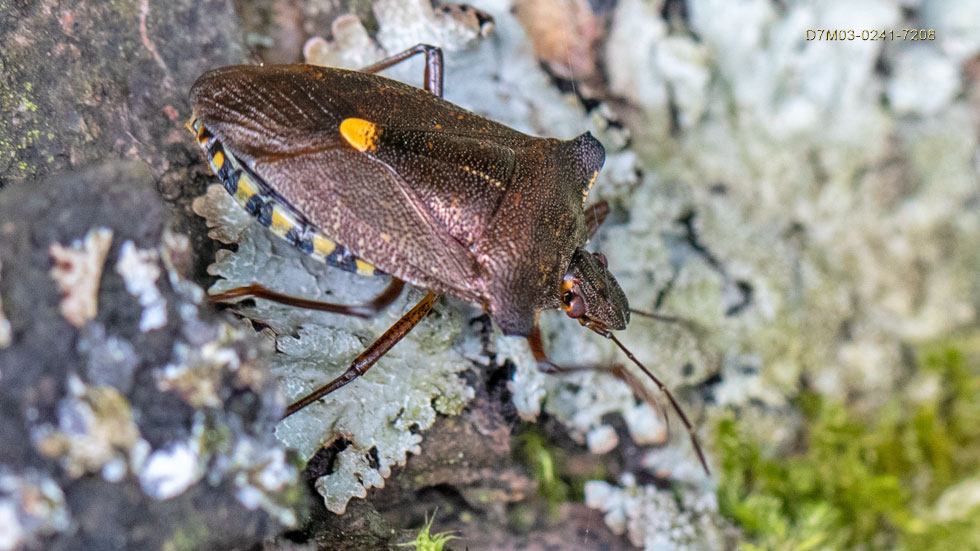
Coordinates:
<point>957,26</point>
<point>351,46</point>
<point>203,375</point>
<point>259,471</point>
<point>742,382</point>
<point>77,270</point>
<point>178,259</point>
<point>196,372</point>
<point>579,400</point>
<point>907,91</point>
<point>109,360</point>
<point>658,520</point>
<point>5,330</point>
<point>140,270</point>
<point>168,472</point>
<point>834,222</point>
<point>602,439</point>
<point>262,473</point>
<point>402,24</point>
<point>6,334</point>
<point>95,429</point>
<point>676,463</point>
<point>224,225</point>
<point>582,400</point>
<point>32,505</point>
<point>405,23</point>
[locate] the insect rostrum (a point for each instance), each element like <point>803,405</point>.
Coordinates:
<point>375,176</point>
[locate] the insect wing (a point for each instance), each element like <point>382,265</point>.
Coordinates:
<point>284,124</point>
<point>460,180</point>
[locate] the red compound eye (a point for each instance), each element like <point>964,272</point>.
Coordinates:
<point>602,259</point>
<point>574,305</point>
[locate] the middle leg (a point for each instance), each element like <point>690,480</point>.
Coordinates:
<point>371,354</point>
<point>365,310</point>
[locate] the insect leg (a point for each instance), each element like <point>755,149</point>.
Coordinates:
<point>547,366</point>
<point>620,372</point>
<point>595,215</point>
<point>433,65</point>
<point>365,310</point>
<point>372,354</point>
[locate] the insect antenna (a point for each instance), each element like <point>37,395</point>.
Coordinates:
<point>663,388</point>
<point>641,390</point>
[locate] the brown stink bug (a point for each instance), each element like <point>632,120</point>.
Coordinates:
<point>375,176</point>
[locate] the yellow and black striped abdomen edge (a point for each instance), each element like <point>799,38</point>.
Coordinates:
<point>272,211</point>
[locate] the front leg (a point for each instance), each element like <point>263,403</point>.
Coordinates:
<point>620,372</point>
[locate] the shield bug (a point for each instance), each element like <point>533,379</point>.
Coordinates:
<point>374,176</point>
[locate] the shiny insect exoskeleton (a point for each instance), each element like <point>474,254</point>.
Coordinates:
<point>375,176</point>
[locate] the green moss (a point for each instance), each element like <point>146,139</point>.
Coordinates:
<point>868,481</point>
<point>188,536</point>
<point>548,465</point>
<point>425,541</point>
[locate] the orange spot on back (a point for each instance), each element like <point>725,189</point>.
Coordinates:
<point>362,135</point>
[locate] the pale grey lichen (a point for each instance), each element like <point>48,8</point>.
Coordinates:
<point>401,25</point>
<point>140,269</point>
<point>351,47</point>
<point>77,270</point>
<point>200,372</point>
<point>95,431</point>
<point>602,439</point>
<point>196,372</point>
<point>6,335</point>
<point>658,520</point>
<point>957,26</point>
<point>169,471</point>
<point>261,474</point>
<point>32,505</point>
<point>405,23</point>
<point>110,360</point>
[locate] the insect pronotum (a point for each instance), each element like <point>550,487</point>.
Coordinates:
<point>374,176</point>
